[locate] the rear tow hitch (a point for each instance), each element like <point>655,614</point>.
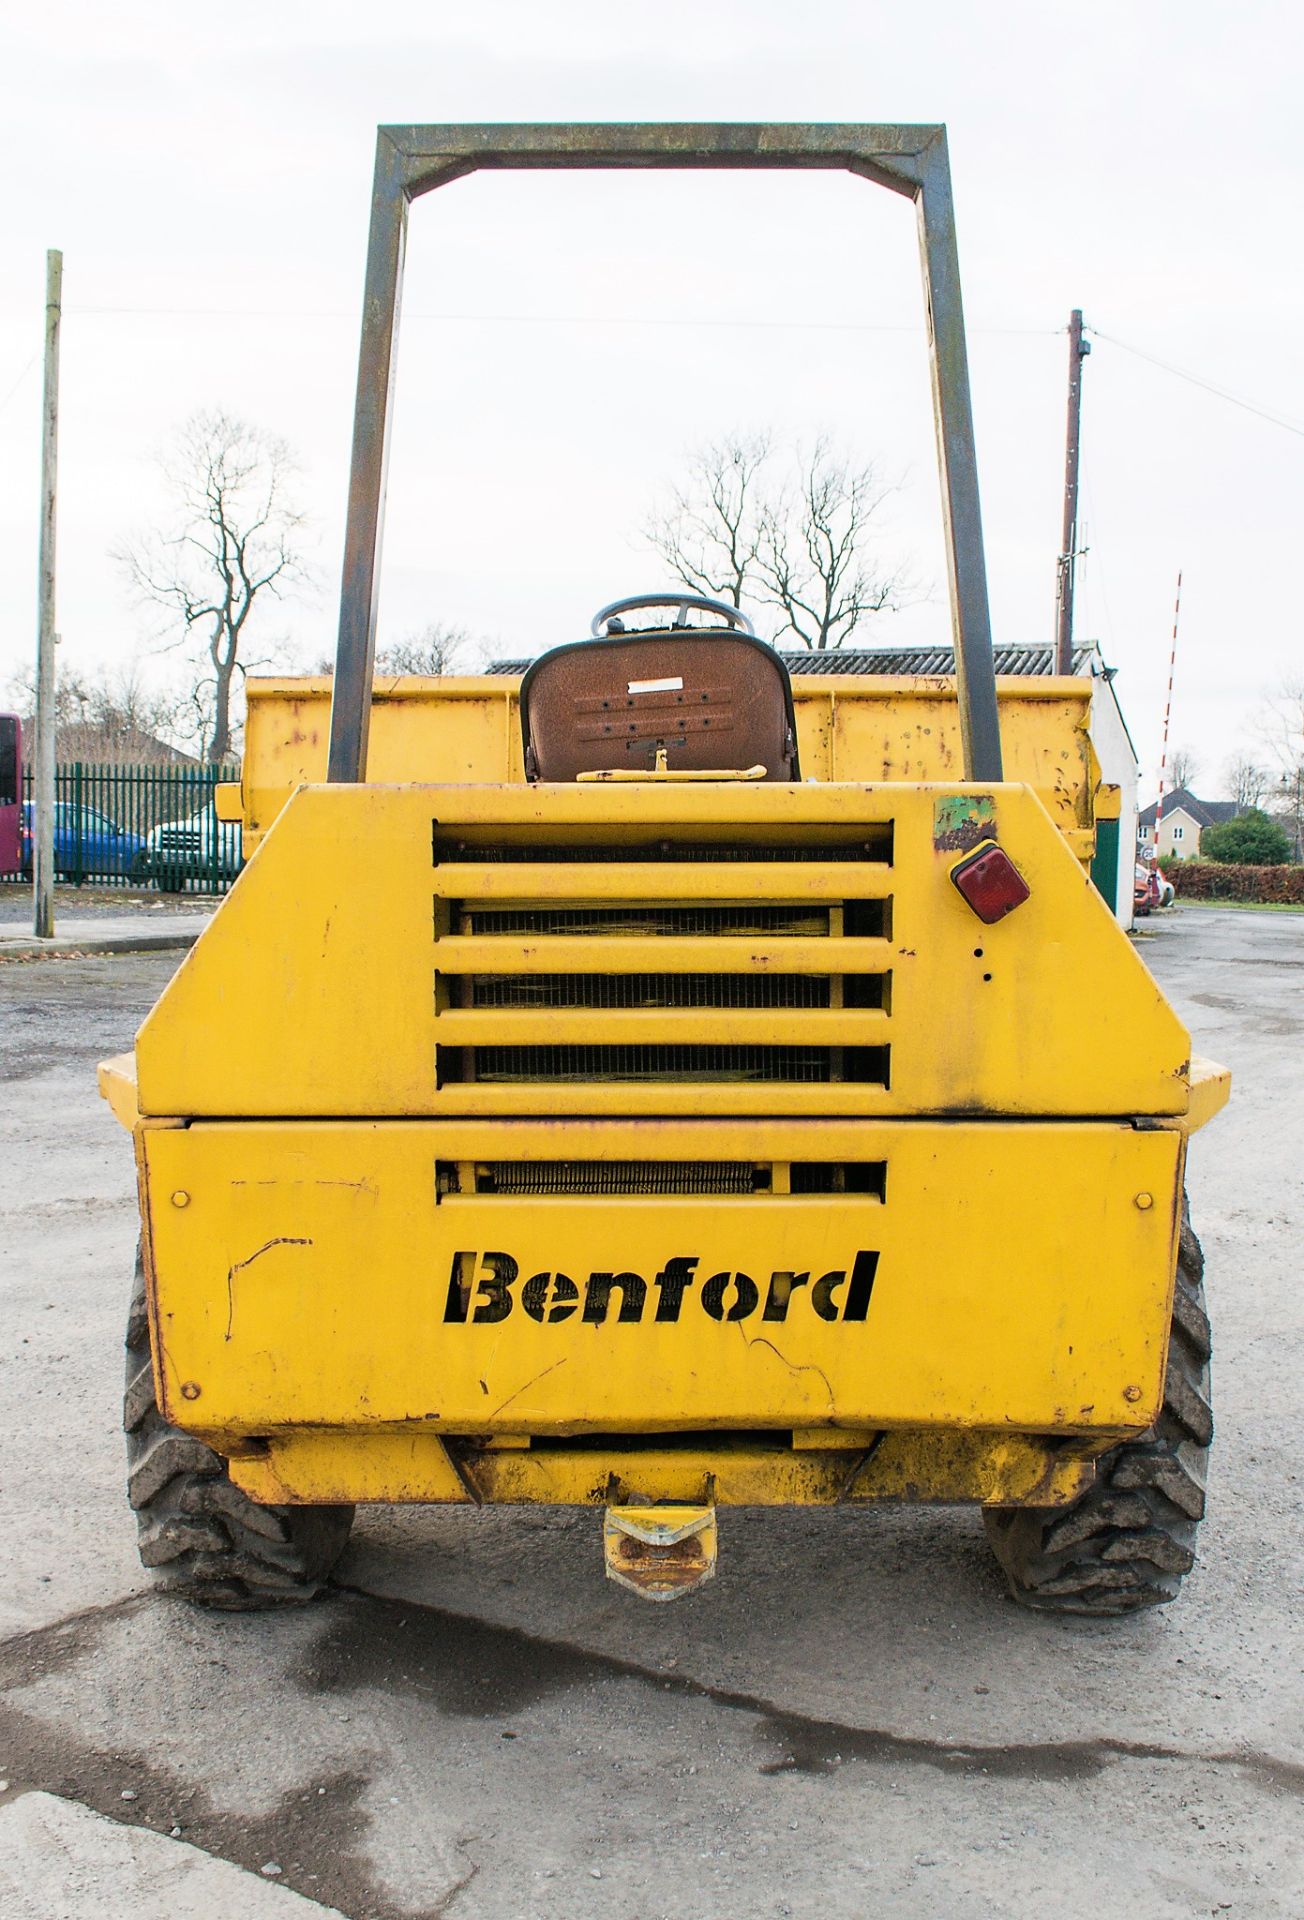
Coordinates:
<point>659,1552</point>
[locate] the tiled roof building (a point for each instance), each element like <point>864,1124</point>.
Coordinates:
<point>1184,821</point>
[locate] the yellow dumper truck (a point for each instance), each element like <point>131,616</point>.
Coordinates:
<point>650,1082</point>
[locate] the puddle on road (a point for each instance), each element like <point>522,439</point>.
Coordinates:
<point>465,1667</point>
<point>471,1669</point>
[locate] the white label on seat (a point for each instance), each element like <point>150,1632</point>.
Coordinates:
<point>657,686</point>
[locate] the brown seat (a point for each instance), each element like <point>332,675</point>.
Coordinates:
<point>713,700</point>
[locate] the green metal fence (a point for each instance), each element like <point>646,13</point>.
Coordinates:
<point>138,826</point>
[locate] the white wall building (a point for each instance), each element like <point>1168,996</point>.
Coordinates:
<point>1183,823</point>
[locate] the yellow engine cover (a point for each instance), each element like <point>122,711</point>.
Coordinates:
<point>1010,1276</point>
<point>333,980</point>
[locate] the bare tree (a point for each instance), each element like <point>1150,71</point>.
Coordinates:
<point>1246,782</point>
<point>801,545</point>
<point>1287,808</point>
<point>815,566</point>
<point>1281,725</point>
<point>1281,730</point>
<point>434,649</point>
<point>109,713</point>
<point>1183,767</point>
<point>234,540</point>
<point>710,535</point>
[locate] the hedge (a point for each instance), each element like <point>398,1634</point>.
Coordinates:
<point>1220,880</point>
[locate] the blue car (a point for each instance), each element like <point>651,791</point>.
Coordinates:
<point>86,845</point>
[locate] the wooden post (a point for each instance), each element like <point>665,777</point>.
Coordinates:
<point>1168,714</point>
<point>46,639</point>
<point>1068,560</point>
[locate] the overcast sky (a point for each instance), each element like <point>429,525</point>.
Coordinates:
<point>567,338</point>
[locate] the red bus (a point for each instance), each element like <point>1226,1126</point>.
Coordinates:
<point>11,792</point>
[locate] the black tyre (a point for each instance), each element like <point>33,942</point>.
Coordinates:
<point>171,880</point>
<point>200,1536</point>
<point>1129,1541</point>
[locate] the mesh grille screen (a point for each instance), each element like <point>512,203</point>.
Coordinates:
<point>616,1176</point>
<point>796,920</point>
<point>876,846</point>
<point>809,1064</point>
<point>523,1178</point>
<point>606,990</point>
<point>601,1058</point>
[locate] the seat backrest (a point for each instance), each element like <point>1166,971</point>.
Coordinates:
<point>712,699</point>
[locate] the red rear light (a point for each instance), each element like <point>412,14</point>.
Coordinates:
<point>990,882</point>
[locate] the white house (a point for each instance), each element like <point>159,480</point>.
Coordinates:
<point>1184,821</point>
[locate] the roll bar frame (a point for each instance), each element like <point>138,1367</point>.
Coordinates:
<point>910,160</point>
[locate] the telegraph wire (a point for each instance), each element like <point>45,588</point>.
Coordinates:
<point>1195,380</point>
<point>559,320</point>
<point>642,320</point>
<point>19,381</point>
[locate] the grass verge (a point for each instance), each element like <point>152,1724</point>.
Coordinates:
<point>1245,906</point>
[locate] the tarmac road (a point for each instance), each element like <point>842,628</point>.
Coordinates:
<point>851,1720</point>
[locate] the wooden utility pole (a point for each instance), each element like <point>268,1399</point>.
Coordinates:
<point>1078,351</point>
<point>1168,714</point>
<point>43,768</point>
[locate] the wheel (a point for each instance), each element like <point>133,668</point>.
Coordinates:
<point>1129,1540</point>
<point>171,880</point>
<point>200,1535</point>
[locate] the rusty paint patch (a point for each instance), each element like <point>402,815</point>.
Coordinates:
<point>962,821</point>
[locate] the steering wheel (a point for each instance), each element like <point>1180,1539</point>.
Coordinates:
<point>608,618</point>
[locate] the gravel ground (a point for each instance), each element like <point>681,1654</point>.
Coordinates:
<point>851,1719</point>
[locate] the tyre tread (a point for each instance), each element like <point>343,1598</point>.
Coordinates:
<point>201,1537</point>
<point>1130,1539</point>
